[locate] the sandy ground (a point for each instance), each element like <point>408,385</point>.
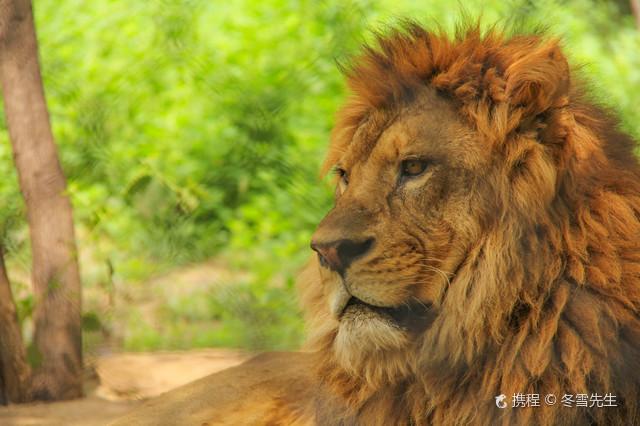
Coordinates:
<point>120,383</point>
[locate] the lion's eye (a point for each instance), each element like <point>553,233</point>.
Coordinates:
<point>413,167</point>
<point>343,174</point>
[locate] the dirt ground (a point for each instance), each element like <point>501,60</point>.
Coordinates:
<point>118,383</point>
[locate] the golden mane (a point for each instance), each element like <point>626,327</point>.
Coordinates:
<point>548,300</point>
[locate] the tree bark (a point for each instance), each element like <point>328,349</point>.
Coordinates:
<point>635,10</point>
<point>55,274</point>
<point>14,370</point>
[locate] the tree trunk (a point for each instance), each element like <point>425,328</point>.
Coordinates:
<point>635,10</point>
<point>55,275</point>
<point>14,370</point>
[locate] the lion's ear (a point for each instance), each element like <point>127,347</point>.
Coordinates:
<point>539,80</point>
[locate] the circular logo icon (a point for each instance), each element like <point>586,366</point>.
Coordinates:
<point>500,401</point>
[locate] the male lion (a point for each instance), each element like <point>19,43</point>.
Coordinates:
<point>485,240</point>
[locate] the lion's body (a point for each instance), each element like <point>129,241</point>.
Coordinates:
<point>485,241</point>
<point>273,388</point>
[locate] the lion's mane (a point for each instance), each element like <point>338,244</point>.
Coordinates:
<point>548,300</point>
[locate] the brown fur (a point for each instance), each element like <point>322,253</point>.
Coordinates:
<point>523,236</point>
<point>269,389</point>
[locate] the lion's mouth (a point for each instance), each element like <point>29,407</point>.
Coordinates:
<point>410,316</point>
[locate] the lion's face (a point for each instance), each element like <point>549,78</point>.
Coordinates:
<point>404,216</point>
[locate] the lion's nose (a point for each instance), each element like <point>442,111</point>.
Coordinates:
<point>338,255</point>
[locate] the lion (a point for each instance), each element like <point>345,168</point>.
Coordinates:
<point>484,246</point>
<point>485,240</point>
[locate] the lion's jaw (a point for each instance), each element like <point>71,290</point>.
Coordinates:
<point>372,341</point>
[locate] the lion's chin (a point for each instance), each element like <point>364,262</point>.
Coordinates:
<point>369,336</point>
<point>371,328</point>
<point>363,333</point>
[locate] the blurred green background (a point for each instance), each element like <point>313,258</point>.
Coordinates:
<point>191,133</point>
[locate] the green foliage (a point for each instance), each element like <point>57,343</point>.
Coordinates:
<point>190,129</point>
<point>259,316</point>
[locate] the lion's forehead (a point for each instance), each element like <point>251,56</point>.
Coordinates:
<point>429,128</point>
